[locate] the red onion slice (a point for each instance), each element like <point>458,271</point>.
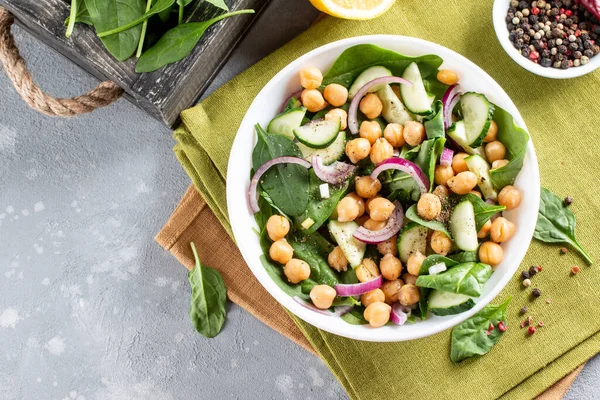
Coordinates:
<point>335,173</point>
<point>295,95</point>
<point>449,101</point>
<point>356,289</point>
<point>393,226</point>
<point>400,314</point>
<point>405,166</point>
<point>338,311</point>
<point>353,110</point>
<point>446,157</point>
<point>252,191</point>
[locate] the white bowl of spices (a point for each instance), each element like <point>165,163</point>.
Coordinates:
<point>556,39</point>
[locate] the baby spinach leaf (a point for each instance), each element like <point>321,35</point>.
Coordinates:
<point>319,209</point>
<point>467,278</point>
<point>158,7</point>
<point>429,152</point>
<point>515,139</point>
<point>265,196</point>
<point>82,16</point>
<point>435,259</point>
<point>556,223</point>
<point>70,21</point>
<point>287,185</point>
<point>312,250</point>
<point>277,275</point>
<point>264,214</point>
<point>177,43</point>
<point>412,215</point>
<point>219,3</point>
<point>470,338</point>
<point>465,256</point>
<point>355,316</point>
<point>209,296</point>
<point>356,59</point>
<point>110,14</point>
<point>483,210</point>
<point>434,125</point>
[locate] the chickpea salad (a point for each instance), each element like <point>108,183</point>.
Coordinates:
<point>379,189</point>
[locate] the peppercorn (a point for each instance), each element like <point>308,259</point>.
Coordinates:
<point>595,49</point>
<point>502,326</point>
<point>525,275</point>
<point>585,60</point>
<point>536,292</point>
<point>524,310</point>
<point>541,323</point>
<point>531,330</point>
<point>532,271</point>
<point>565,64</point>
<point>577,55</point>
<point>562,49</point>
<point>588,53</point>
<point>573,46</point>
<point>563,250</point>
<point>546,62</point>
<point>575,269</point>
<point>568,201</point>
<point>526,282</point>
<point>525,52</point>
<point>587,44</point>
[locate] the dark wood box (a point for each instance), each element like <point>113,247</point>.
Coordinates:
<point>163,93</point>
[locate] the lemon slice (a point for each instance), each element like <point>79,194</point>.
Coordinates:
<point>353,9</point>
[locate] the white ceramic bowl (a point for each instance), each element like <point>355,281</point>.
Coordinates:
<point>499,14</point>
<point>266,105</point>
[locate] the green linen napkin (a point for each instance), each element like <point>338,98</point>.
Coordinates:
<point>562,117</point>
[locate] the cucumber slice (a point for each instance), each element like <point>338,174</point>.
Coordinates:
<point>462,226</point>
<point>285,123</point>
<point>393,109</point>
<point>445,303</point>
<point>458,134</point>
<point>415,97</point>
<point>292,103</point>
<point>329,154</point>
<point>353,249</point>
<point>477,113</point>
<point>367,76</point>
<point>481,168</point>
<point>318,134</point>
<point>413,238</point>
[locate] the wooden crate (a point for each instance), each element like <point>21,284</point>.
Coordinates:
<point>163,93</point>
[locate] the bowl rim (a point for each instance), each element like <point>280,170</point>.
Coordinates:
<point>285,300</point>
<point>499,10</point>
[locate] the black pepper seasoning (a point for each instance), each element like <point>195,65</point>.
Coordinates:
<point>525,275</point>
<point>568,201</point>
<point>536,292</point>
<point>532,271</point>
<point>524,310</point>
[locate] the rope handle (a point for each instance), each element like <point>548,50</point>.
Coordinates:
<point>14,65</point>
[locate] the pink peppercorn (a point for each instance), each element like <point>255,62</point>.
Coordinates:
<point>534,55</point>
<point>531,330</point>
<point>535,10</point>
<point>501,326</point>
<point>569,13</point>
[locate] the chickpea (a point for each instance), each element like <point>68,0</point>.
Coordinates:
<point>499,164</point>
<point>463,183</point>
<point>485,229</point>
<point>414,132</point>
<point>369,201</point>
<point>380,209</point>
<point>281,251</point>
<point>447,77</point>
<point>458,162</point>
<point>370,130</point>
<point>378,314</point>
<point>409,279</point>
<point>357,149</point>
<point>296,270</point>
<point>495,151</point>
<point>502,230</point>
<point>381,150</point>
<point>322,296</point>
<point>338,113</point>
<point>390,290</point>
<point>441,192</point>
<point>277,227</point>
<point>408,295</point>
<point>476,193</point>
<point>362,219</point>
<point>347,209</point>
<point>390,267</point>
<point>335,94</point>
<point>371,297</point>
<point>509,197</point>
<point>373,225</point>
<point>366,187</point>
<point>337,259</point>
<point>367,270</point>
<point>313,100</point>
<point>360,201</point>
<point>413,265</point>
<point>389,246</point>
<point>490,253</point>
<point>440,243</point>
<point>443,174</point>
<point>429,206</point>
<point>492,133</point>
<point>371,106</point>
<point>311,78</point>
<point>394,133</point>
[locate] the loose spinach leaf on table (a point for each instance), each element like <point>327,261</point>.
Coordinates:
<point>483,210</point>
<point>556,223</point>
<point>515,140</point>
<point>219,3</point>
<point>314,251</point>
<point>207,309</point>
<point>287,185</point>
<point>177,43</point>
<point>412,215</point>
<point>110,14</point>
<point>82,16</point>
<point>434,125</point>
<point>470,338</point>
<point>467,278</point>
<point>158,7</point>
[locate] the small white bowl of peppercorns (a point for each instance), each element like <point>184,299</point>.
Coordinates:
<point>557,39</point>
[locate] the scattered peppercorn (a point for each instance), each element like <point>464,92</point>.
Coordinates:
<point>575,269</point>
<point>563,250</point>
<point>568,201</point>
<point>541,323</point>
<point>548,301</point>
<point>532,271</point>
<point>536,292</point>
<point>525,275</point>
<point>526,282</point>
<point>524,310</point>
<point>531,330</point>
<point>501,326</point>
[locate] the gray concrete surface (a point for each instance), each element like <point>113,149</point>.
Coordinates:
<point>90,306</point>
